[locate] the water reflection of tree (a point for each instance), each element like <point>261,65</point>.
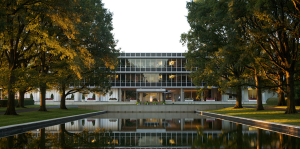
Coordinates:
<point>239,140</point>
<point>100,138</point>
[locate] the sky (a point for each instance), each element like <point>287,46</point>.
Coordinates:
<point>149,26</point>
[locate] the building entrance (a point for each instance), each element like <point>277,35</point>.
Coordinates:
<point>150,95</point>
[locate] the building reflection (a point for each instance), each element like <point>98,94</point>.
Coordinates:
<point>152,132</point>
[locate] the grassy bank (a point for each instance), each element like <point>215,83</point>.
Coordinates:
<point>3,109</point>
<point>37,115</point>
<point>266,115</point>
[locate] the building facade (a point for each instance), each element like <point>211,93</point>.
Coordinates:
<point>155,77</point>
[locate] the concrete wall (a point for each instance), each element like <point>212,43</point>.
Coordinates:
<point>151,108</point>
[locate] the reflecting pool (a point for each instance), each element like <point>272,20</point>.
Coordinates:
<point>150,130</point>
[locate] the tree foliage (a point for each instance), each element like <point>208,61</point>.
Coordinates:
<point>61,41</point>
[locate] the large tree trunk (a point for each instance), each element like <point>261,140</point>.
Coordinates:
<point>43,98</point>
<point>281,101</point>
<point>11,96</point>
<point>62,141</point>
<point>290,93</point>
<point>43,85</point>
<point>259,139</point>
<point>42,144</point>
<point>63,97</point>
<point>239,136</point>
<point>258,92</point>
<point>238,98</point>
<point>282,142</point>
<point>21,99</point>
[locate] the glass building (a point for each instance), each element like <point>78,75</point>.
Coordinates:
<point>154,77</point>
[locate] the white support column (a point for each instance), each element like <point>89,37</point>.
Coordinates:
<point>245,96</point>
<point>120,124</point>
<point>97,97</point>
<point>119,94</point>
<point>182,95</point>
<point>56,96</point>
<point>182,121</point>
<point>36,96</point>
<point>141,96</point>
<point>77,96</point>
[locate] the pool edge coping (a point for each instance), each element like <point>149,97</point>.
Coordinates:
<point>12,129</point>
<point>246,121</point>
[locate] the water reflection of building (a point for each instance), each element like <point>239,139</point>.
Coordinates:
<point>152,131</point>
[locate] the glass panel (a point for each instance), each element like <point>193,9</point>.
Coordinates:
<point>138,63</point>
<point>127,63</point>
<point>132,54</point>
<point>152,54</point>
<point>143,63</point>
<point>187,94</point>
<point>122,54</point>
<point>164,77</point>
<point>147,63</point>
<point>178,54</point>
<point>122,77</point>
<point>143,79</point>
<point>143,54</point>
<point>138,54</point>
<point>153,63</point>
<point>164,54</point>
<point>168,54</point>
<point>127,77</point>
<point>131,62</point>
<point>189,79</point>
<point>152,78</point>
<point>171,77</point>
<point>127,54</point>
<point>173,54</point>
<point>194,95</point>
<point>183,62</point>
<point>178,64</point>
<point>115,78</point>
<point>178,78</point>
<point>133,78</point>
<point>122,62</point>
<point>147,54</point>
<point>158,54</point>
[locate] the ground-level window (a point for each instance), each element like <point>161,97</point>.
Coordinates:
<point>252,94</point>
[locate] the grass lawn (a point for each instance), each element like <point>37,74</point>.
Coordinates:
<point>266,115</point>
<point>3,109</point>
<point>38,115</point>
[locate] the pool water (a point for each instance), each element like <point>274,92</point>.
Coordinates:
<point>137,131</point>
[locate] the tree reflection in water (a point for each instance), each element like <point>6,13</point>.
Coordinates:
<point>99,138</point>
<point>236,139</point>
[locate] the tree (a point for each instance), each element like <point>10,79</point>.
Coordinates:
<point>24,36</point>
<point>214,47</point>
<point>274,27</point>
<point>97,57</point>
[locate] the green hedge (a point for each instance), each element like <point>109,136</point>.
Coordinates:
<point>3,103</point>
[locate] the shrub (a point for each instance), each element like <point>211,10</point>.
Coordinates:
<point>31,96</point>
<point>83,96</point>
<point>3,103</point>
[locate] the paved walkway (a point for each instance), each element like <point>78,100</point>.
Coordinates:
<point>36,109</point>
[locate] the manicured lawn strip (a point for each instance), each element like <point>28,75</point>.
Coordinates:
<point>266,115</point>
<point>38,116</point>
<point>3,109</point>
